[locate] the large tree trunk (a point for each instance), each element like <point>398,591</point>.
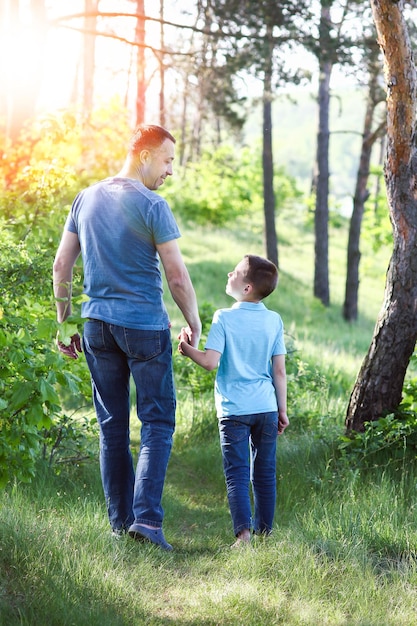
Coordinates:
<point>321,215</point>
<point>378,388</point>
<point>350,306</point>
<point>268,171</point>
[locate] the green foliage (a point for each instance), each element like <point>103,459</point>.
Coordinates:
<point>40,174</point>
<point>376,222</point>
<point>188,374</point>
<point>303,380</point>
<point>70,439</point>
<point>383,442</point>
<point>53,159</point>
<point>195,386</point>
<point>224,185</point>
<point>33,373</point>
<point>387,440</point>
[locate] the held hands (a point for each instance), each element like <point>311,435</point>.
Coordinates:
<point>74,347</point>
<point>184,338</point>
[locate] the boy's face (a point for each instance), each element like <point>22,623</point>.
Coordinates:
<point>237,285</point>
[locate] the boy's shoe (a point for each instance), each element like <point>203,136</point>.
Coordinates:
<point>154,535</point>
<point>118,532</point>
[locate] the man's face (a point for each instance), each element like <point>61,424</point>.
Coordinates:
<point>237,282</point>
<point>157,164</point>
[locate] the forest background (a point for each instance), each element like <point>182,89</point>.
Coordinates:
<point>355,490</point>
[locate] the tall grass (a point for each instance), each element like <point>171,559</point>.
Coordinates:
<point>343,551</point>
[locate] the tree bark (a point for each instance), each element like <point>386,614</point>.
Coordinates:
<point>378,388</point>
<point>321,215</point>
<point>268,169</point>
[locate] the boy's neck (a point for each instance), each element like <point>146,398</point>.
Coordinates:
<point>248,299</point>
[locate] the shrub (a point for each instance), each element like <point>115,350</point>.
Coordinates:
<point>33,373</point>
<point>224,185</point>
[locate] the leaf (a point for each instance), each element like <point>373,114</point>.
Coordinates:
<point>20,395</point>
<point>66,330</point>
<point>45,329</point>
<point>48,393</point>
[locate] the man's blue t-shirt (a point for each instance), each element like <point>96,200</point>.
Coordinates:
<point>119,222</point>
<point>247,336</point>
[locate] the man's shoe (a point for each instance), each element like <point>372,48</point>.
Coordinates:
<point>154,535</point>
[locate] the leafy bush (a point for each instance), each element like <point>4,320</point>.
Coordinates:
<point>33,373</point>
<point>224,185</point>
<point>388,439</point>
<point>188,375</point>
<point>55,157</point>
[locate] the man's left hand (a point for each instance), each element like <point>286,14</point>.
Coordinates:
<point>74,347</point>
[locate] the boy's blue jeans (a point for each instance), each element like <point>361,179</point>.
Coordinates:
<point>113,353</point>
<point>248,445</point>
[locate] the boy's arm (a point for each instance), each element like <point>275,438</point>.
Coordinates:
<point>209,359</point>
<point>279,376</point>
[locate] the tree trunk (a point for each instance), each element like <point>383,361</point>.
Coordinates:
<point>268,168</point>
<point>378,388</point>
<point>140,62</point>
<point>350,306</point>
<point>321,215</point>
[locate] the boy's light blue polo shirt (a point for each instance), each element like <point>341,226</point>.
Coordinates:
<point>247,335</point>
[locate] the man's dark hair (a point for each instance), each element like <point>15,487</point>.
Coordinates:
<point>148,137</point>
<point>262,274</point>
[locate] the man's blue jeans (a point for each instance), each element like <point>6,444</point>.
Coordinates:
<point>248,445</point>
<point>113,353</point>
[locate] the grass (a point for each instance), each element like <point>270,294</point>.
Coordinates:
<point>343,552</point>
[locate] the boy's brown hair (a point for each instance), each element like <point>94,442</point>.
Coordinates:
<point>262,274</point>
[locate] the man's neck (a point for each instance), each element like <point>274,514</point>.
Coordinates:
<point>130,170</point>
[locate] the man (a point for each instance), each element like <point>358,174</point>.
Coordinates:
<point>122,228</point>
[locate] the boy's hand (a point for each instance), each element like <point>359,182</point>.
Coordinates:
<point>283,422</point>
<point>183,338</point>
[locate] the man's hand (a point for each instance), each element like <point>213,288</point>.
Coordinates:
<point>74,347</point>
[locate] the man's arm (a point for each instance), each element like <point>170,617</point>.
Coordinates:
<point>67,253</point>
<point>181,287</point>
<point>279,376</point>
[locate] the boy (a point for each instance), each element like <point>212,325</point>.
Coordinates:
<point>247,342</point>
